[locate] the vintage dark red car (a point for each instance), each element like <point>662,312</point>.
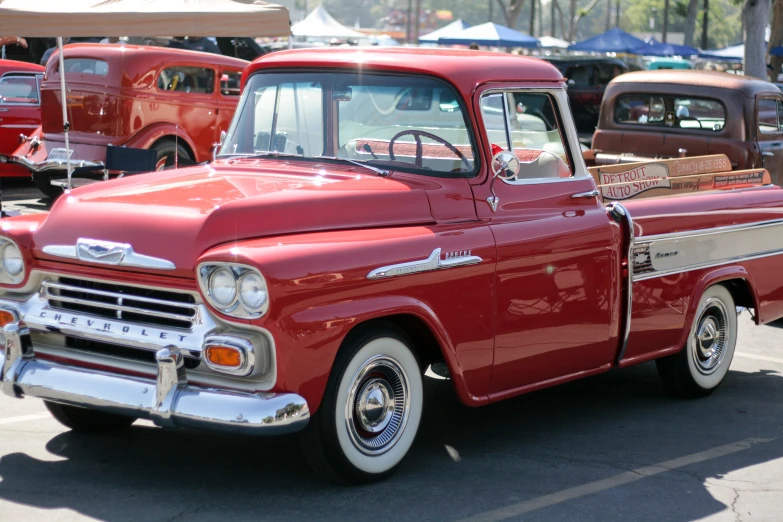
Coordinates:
<point>371,214</point>
<point>174,101</point>
<point>671,113</point>
<point>20,108</point>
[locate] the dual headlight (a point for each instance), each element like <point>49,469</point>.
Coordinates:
<point>234,289</point>
<point>11,262</point>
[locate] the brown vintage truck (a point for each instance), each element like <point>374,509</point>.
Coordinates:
<point>669,113</point>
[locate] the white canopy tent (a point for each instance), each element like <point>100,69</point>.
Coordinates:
<point>57,18</point>
<point>550,42</point>
<point>320,24</point>
<point>447,30</point>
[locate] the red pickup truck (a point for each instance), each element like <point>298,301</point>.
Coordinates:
<point>20,108</point>
<point>373,213</point>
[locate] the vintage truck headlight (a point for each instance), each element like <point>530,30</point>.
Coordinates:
<point>234,289</point>
<point>12,266</point>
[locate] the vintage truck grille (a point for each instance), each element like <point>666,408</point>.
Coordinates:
<point>642,263</point>
<point>128,303</point>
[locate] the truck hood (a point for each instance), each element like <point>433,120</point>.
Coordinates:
<point>177,215</point>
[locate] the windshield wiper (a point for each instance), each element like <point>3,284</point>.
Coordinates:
<point>381,172</point>
<point>262,154</point>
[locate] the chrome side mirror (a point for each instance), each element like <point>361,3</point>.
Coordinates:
<point>505,165</point>
<point>216,146</point>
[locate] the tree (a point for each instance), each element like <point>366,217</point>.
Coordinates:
<point>689,12</point>
<point>755,15</point>
<point>511,11</point>
<point>576,15</point>
<point>776,39</point>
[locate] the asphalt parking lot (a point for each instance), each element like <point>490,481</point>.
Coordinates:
<point>612,447</point>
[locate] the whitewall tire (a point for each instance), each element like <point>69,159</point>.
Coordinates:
<point>699,368</point>
<point>371,409</point>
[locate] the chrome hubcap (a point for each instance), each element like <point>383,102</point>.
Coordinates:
<point>378,405</point>
<point>709,341</point>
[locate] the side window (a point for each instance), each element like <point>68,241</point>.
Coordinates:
<point>768,116</point>
<point>19,89</point>
<point>197,80</point>
<point>700,113</point>
<point>289,119</point>
<point>534,129</point>
<point>640,109</point>
<point>581,76</point>
<point>606,72</point>
<point>230,82</point>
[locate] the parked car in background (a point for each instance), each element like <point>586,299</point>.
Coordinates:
<point>174,101</point>
<point>20,108</point>
<point>657,63</point>
<point>373,213</point>
<point>667,114</point>
<point>587,79</point>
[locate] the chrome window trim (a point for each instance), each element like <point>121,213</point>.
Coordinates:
<point>694,234</point>
<point>567,134</point>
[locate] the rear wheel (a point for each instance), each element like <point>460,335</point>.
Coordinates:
<point>371,410</point>
<point>699,368</point>
<point>168,153</point>
<point>86,420</point>
<point>44,183</point>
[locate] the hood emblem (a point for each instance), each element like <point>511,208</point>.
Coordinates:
<point>104,252</point>
<point>107,253</point>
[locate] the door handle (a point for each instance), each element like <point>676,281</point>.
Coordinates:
<point>590,194</point>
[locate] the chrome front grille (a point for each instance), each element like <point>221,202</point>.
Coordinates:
<point>133,304</point>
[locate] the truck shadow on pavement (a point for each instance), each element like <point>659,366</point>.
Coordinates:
<point>510,452</point>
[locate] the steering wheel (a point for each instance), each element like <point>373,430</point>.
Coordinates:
<point>417,134</point>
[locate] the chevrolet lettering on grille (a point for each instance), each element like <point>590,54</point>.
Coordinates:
<point>109,327</point>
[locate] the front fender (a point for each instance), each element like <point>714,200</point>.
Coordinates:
<point>319,291</point>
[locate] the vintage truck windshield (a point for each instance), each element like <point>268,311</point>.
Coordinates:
<point>397,122</point>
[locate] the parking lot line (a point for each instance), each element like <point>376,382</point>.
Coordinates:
<point>612,482</point>
<point>23,418</point>
<point>758,357</point>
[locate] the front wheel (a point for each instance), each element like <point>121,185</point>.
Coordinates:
<point>169,153</point>
<point>86,420</point>
<point>371,409</point>
<point>701,366</point>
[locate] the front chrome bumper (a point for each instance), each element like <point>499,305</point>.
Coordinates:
<point>169,401</point>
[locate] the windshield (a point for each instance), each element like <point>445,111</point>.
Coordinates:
<point>400,122</point>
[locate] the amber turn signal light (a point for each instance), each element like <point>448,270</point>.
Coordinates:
<point>226,356</point>
<point>6,317</point>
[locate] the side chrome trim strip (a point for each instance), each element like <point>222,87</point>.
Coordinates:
<point>679,252</point>
<point>433,262</point>
<point>620,214</point>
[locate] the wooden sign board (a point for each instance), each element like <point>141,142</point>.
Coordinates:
<point>629,180</point>
<point>685,184</point>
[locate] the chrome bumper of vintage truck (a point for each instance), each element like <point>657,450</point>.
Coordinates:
<point>169,401</point>
<point>57,165</point>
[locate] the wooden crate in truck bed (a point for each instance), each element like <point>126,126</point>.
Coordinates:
<point>673,176</point>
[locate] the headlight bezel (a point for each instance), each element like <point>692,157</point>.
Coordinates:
<point>237,308</point>
<point>6,277</point>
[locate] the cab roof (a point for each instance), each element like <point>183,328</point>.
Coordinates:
<point>699,79</point>
<point>15,66</point>
<point>145,54</point>
<point>465,68</point>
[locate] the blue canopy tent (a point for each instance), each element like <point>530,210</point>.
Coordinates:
<point>612,41</point>
<point>490,34</point>
<point>665,49</point>
<point>447,30</point>
<point>776,51</point>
